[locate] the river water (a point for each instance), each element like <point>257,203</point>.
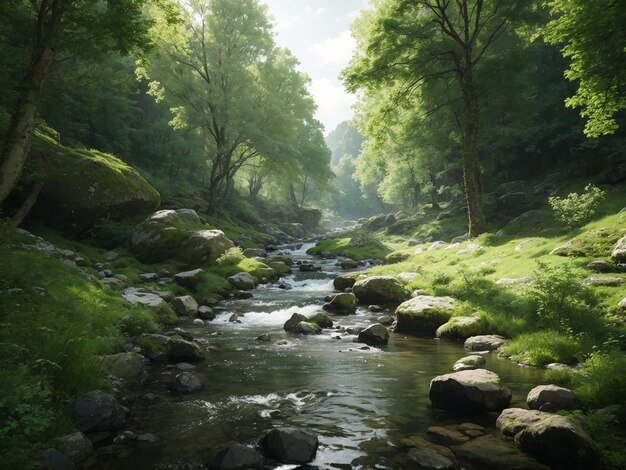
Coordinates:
<point>344,394</point>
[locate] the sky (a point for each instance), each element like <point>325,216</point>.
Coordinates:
<point>317,33</point>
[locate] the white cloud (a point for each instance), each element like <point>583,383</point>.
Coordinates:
<point>334,104</point>
<point>315,11</point>
<point>337,50</point>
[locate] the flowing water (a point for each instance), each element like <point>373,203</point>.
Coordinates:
<point>326,383</point>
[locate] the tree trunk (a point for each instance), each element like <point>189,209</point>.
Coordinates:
<point>433,191</point>
<point>471,164</point>
<point>24,209</point>
<point>20,132</point>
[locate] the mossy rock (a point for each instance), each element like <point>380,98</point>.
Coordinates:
<point>178,235</point>
<point>83,187</point>
<point>424,314</point>
<point>321,320</point>
<point>128,366</point>
<point>462,328</point>
<point>396,257</point>
<point>341,303</point>
<point>593,243</point>
<point>280,267</point>
<point>380,290</point>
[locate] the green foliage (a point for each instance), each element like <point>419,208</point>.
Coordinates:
<point>560,377</point>
<point>562,301</point>
<point>576,209</point>
<point>600,382</point>
<point>603,427</point>
<point>592,35</point>
<point>357,247</point>
<point>544,347</point>
<point>231,256</point>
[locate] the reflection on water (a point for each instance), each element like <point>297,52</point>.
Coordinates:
<point>346,395</point>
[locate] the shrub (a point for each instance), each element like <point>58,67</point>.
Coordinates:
<point>576,209</point>
<point>601,382</point>
<point>562,301</point>
<point>603,427</point>
<point>232,257</point>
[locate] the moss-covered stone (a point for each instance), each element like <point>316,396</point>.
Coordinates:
<point>380,290</point>
<point>424,314</point>
<point>322,320</point>
<point>341,303</point>
<point>396,257</point>
<point>462,328</point>
<point>279,267</point>
<point>593,243</point>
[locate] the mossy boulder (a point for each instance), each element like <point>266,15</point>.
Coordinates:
<point>322,320</point>
<point>424,314</point>
<point>619,251</point>
<point>513,420</point>
<point>345,281</point>
<point>178,235</point>
<point>280,267</point>
<point>380,290</point>
<point>396,257</point>
<point>479,390</point>
<point>596,243</point>
<point>83,187</point>
<point>173,348</point>
<point>127,366</point>
<point>462,328</point>
<point>341,303</point>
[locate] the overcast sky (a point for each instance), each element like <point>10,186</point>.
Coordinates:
<point>317,32</point>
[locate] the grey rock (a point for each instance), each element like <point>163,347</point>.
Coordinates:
<point>601,266</point>
<point>605,281</point>
<point>552,398</point>
<point>423,314</point>
<point>513,420</point>
<point>75,447</point>
<point>290,445</point>
<point>484,342</point>
<point>206,313</point>
<point>98,411</point>
<point>189,279</point>
<point>491,453</point>
<point>295,319</point>
<point>185,306</point>
<point>186,382</point>
<point>341,303</point>
<point>380,290</point>
<point>477,389</point>
<point>148,277</point>
<point>374,335</point>
<point>429,458</point>
<point>619,251</point>
<point>237,457</point>
<point>243,281</point>
<point>306,328</point>
<point>469,363</point>
<point>254,253</point>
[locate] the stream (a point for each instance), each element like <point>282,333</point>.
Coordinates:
<point>326,383</point>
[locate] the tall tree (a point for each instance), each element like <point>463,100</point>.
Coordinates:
<point>592,34</point>
<point>72,26</point>
<point>414,43</point>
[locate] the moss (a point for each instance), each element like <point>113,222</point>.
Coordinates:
<point>592,243</point>
<point>355,247</point>
<point>544,347</point>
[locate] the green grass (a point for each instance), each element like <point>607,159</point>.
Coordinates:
<point>543,347</point>
<point>365,248</point>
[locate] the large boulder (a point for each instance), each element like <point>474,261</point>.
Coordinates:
<point>185,306</point>
<point>552,398</point>
<point>98,411</point>
<point>514,420</point>
<point>295,319</point>
<point>243,281</point>
<point>619,251</point>
<point>156,303</point>
<point>128,366</point>
<point>84,187</point>
<point>306,328</point>
<point>178,235</point>
<point>462,328</point>
<point>424,314</point>
<point>237,457</point>
<point>290,445</point>
<point>477,389</point>
<point>308,218</point>
<point>341,303</point>
<point>513,203</point>
<point>380,290</point>
<point>76,447</point>
<point>189,279</point>
<point>173,348</point>
<point>557,439</point>
<point>322,320</point>
<point>374,335</point>
<point>344,281</point>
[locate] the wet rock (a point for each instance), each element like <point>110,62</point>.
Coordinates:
<point>322,320</point>
<point>423,314</point>
<point>491,453</point>
<point>341,303</point>
<point>469,363</point>
<point>471,429</point>
<point>237,457</point>
<point>76,447</point>
<point>290,445</point>
<point>206,313</point>
<point>306,328</point>
<point>295,319</point>
<point>429,458</point>
<point>186,382</point>
<point>462,328</point>
<point>446,436</point>
<point>98,411</point>
<point>344,281</point>
<point>173,348</point>
<point>243,281</point>
<point>189,279</point>
<point>477,389</point>
<point>354,330</point>
<point>185,306</point>
<point>306,267</point>
<point>265,337</point>
<point>552,398</point>
<point>349,264</point>
<point>374,335</point>
<point>557,439</point>
<point>185,366</point>
<point>513,420</point>
<point>619,252</point>
<point>281,258</point>
<point>484,342</point>
<point>380,290</point>
<point>385,320</point>
<point>241,295</point>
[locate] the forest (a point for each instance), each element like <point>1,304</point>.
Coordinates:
<point>199,268</point>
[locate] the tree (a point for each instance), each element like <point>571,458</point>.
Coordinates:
<point>416,43</point>
<point>71,27</point>
<point>592,35</point>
